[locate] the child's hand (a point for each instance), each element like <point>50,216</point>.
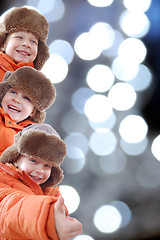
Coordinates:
<point>67,227</point>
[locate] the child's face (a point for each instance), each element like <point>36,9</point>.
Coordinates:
<point>17,105</point>
<point>39,170</point>
<point>21,46</point>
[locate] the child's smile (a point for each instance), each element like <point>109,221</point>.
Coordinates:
<point>17,105</point>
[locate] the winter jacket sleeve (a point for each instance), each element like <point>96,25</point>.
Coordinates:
<point>2,72</point>
<point>25,216</point>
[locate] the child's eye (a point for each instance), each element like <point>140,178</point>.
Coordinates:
<point>34,42</point>
<point>48,166</point>
<point>27,98</point>
<point>33,160</point>
<point>20,37</point>
<point>13,91</point>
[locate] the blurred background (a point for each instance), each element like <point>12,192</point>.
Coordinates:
<point>105,65</point>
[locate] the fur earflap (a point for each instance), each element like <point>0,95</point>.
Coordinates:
<point>11,155</point>
<point>26,19</point>
<point>35,85</point>
<point>39,141</point>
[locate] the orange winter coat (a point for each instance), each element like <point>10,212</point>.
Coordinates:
<point>26,212</point>
<point>8,128</point>
<point>7,64</point>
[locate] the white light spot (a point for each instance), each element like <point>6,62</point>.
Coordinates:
<point>100,3</point>
<point>122,96</point>
<point>137,5</point>
<point>71,198</point>
<point>134,24</point>
<point>102,142</point>
<point>103,34</point>
<point>100,78</point>
<point>55,68</point>
<point>132,49</point>
<point>155,148</point>
<point>86,47</point>
<point>63,49</point>
<point>133,129</point>
<point>124,211</point>
<point>142,80</point>
<point>108,124</point>
<point>98,108</point>
<point>83,237</point>
<point>124,69</point>
<point>107,219</point>
<point>80,97</point>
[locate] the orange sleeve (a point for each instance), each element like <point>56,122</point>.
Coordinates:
<point>2,73</point>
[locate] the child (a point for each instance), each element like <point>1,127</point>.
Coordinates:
<point>23,35</point>
<point>29,170</point>
<point>24,96</point>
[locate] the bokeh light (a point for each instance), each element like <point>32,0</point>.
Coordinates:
<point>134,24</point>
<point>86,46</point>
<point>55,68</point>
<point>108,124</point>
<point>63,49</point>
<point>79,98</point>
<point>128,50</point>
<point>137,5</point>
<point>71,197</point>
<point>124,211</point>
<point>100,3</point>
<point>53,10</point>
<point>134,149</point>
<point>107,219</point>
<point>133,129</point>
<point>142,80</point>
<point>155,149</point>
<point>100,78</point>
<point>124,69</point>
<point>102,142</point>
<point>104,34</point>
<point>100,105</point>
<point>74,161</point>
<point>122,96</point>
<point>83,237</point>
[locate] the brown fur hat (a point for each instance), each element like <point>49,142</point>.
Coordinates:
<point>24,19</point>
<point>41,141</point>
<point>35,85</point>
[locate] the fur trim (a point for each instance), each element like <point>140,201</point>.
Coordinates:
<point>24,19</point>
<point>11,155</point>
<point>39,141</point>
<point>42,56</point>
<point>39,117</point>
<point>35,85</point>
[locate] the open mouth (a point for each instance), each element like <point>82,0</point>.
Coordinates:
<point>13,108</point>
<point>35,178</point>
<point>24,53</point>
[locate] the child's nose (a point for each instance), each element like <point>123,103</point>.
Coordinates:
<point>26,43</point>
<point>17,99</point>
<point>40,169</point>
